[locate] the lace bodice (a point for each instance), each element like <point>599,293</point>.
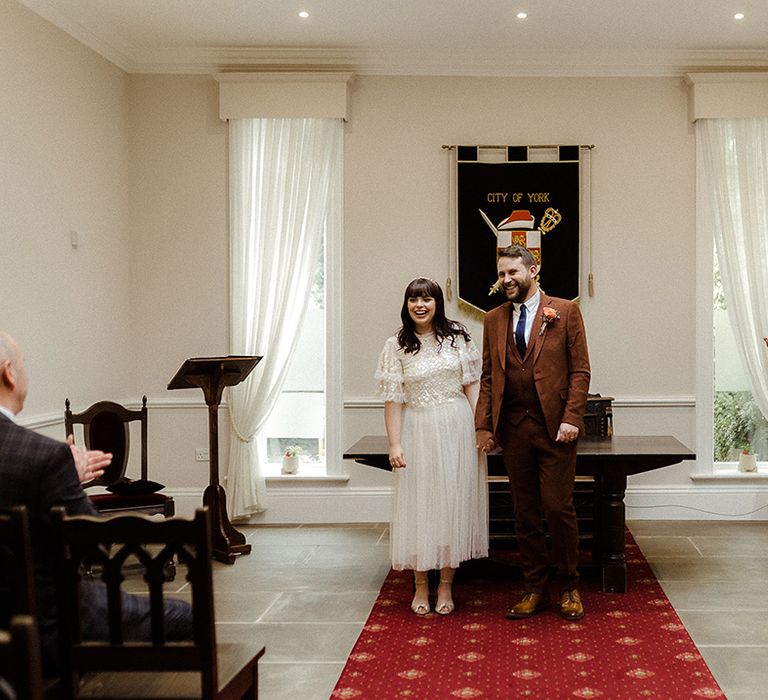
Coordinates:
<point>432,376</point>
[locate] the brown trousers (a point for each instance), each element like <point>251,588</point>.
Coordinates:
<point>541,475</point>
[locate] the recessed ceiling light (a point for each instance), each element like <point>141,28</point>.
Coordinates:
<point>304,14</point>
<point>739,15</point>
<point>522,15</point>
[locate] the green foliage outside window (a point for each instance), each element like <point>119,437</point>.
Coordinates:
<point>737,422</point>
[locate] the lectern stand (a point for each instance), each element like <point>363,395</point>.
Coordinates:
<point>212,374</point>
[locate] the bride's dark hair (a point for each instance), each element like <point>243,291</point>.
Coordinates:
<point>442,326</point>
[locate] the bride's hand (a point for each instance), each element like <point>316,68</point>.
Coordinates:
<point>397,457</point>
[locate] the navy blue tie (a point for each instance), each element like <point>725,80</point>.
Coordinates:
<point>520,331</point>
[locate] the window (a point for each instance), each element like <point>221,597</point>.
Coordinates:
<point>738,423</point>
<point>299,416</point>
<point>732,207</point>
<point>285,208</point>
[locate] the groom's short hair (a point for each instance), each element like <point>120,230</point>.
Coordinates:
<point>518,251</point>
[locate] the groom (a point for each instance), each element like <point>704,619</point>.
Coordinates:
<point>533,394</point>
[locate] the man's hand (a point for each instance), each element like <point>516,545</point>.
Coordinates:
<point>90,464</point>
<point>567,433</point>
<point>485,441</point>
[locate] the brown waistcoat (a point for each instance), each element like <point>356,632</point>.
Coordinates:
<point>520,396</point>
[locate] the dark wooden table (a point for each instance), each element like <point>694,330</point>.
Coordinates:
<point>609,461</point>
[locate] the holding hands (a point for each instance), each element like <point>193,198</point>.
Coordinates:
<point>485,441</point>
<point>90,464</point>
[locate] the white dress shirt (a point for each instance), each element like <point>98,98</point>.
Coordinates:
<point>531,306</point>
<point>6,412</point>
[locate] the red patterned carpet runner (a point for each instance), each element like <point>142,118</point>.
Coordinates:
<point>629,645</point>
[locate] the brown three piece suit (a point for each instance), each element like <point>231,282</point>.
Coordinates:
<point>522,403</point>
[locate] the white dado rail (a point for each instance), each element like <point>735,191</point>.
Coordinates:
<point>618,402</point>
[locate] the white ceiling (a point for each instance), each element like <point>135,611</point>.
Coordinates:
<point>420,37</point>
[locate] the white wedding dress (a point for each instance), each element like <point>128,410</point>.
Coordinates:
<point>440,504</point>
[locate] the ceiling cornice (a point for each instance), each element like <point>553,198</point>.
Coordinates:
<point>593,61</point>
<point>449,63</point>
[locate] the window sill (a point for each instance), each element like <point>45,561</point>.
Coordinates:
<point>284,479</point>
<point>309,472</point>
<point>732,475</point>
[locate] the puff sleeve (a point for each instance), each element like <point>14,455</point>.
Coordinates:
<point>389,373</point>
<point>471,361</point>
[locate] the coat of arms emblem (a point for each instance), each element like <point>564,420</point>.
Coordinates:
<point>534,204</point>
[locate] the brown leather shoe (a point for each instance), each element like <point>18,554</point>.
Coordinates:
<point>529,605</point>
<point>570,605</point>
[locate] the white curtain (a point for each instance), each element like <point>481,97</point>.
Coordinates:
<point>282,178</point>
<point>733,156</point>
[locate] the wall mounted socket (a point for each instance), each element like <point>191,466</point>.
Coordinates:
<point>202,454</point>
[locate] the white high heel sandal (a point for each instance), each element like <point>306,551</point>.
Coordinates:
<point>444,607</point>
<point>420,607</point>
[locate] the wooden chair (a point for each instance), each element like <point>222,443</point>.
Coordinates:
<point>106,426</point>
<point>198,668</point>
<point>18,583</point>
<point>20,663</point>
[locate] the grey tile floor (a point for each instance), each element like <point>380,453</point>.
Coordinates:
<point>306,591</point>
<point>715,574</point>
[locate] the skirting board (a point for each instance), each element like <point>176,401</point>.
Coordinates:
<point>368,505</point>
<point>698,502</point>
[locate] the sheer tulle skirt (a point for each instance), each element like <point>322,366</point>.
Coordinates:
<point>440,504</point>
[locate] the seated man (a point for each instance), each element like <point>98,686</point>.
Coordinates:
<point>39,473</point>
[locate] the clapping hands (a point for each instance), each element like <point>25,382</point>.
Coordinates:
<point>90,464</point>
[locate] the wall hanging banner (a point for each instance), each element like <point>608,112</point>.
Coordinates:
<point>515,200</point>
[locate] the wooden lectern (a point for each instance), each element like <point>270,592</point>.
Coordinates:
<point>212,374</point>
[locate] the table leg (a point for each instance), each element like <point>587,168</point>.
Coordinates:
<point>609,494</point>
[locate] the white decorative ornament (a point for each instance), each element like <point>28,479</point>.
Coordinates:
<point>290,464</point>
<point>747,462</point>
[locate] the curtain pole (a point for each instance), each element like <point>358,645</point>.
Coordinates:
<point>588,147</point>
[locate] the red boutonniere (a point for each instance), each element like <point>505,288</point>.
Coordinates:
<point>548,315</point>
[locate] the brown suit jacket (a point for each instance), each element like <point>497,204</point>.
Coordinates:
<point>560,366</point>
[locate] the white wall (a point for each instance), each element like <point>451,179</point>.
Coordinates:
<point>63,151</point>
<point>643,222</point>
<point>643,189</point>
<point>138,164</point>
<point>397,227</point>
<point>179,260</point>
<point>178,225</point>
